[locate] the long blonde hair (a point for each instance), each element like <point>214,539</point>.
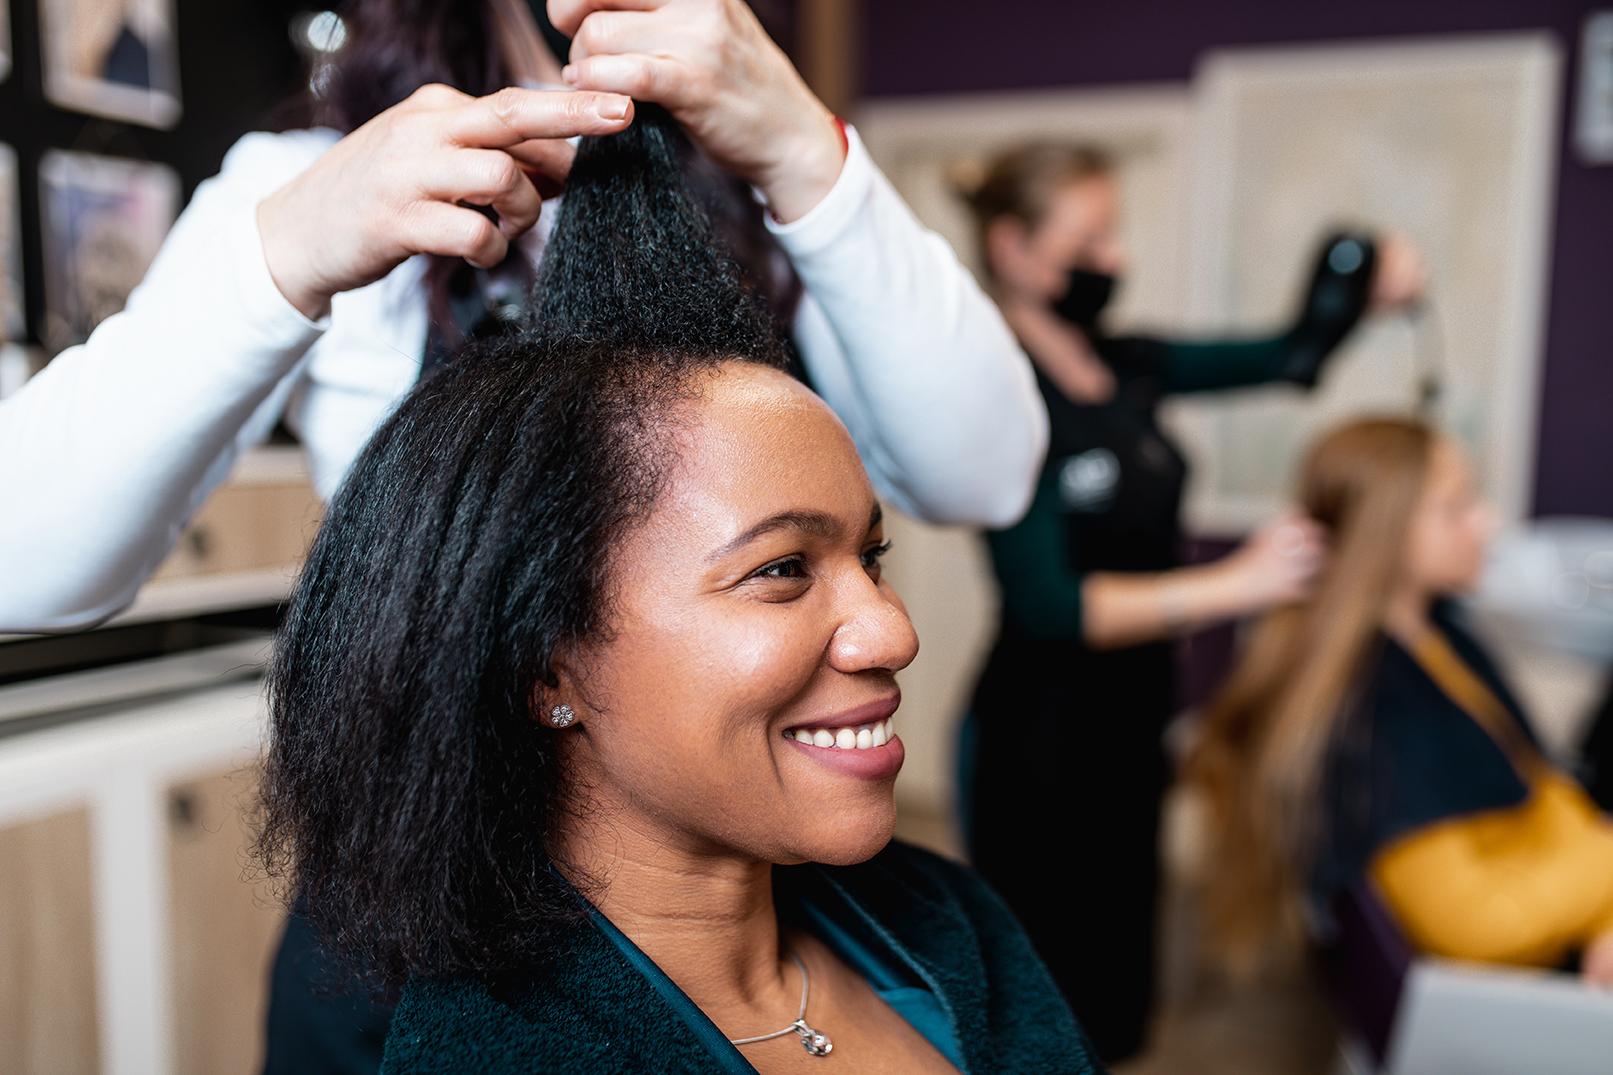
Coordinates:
<point>1265,737</point>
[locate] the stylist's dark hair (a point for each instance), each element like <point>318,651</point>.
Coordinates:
<point>393,47</point>
<point>410,785</point>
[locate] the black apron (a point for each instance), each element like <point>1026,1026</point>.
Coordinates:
<point>1067,754</point>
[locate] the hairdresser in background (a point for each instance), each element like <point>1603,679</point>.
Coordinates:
<point>318,273</point>
<point>1365,740</point>
<point>1067,717</point>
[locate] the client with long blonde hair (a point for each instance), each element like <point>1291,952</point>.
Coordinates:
<point>1365,738</point>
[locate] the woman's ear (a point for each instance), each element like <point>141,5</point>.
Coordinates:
<point>556,701</point>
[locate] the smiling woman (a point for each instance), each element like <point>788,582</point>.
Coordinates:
<point>582,725</point>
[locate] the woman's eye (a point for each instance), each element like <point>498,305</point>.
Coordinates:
<point>793,568</point>
<point>871,557</point>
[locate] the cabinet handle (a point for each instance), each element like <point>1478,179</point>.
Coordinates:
<point>182,809</point>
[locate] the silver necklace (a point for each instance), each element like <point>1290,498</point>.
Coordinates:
<point>814,1042</point>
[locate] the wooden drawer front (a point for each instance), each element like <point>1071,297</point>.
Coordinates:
<point>47,947</point>
<point>225,927</point>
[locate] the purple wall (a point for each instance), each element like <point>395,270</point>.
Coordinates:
<point>959,46</point>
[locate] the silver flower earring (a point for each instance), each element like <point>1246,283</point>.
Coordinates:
<point>562,715</point>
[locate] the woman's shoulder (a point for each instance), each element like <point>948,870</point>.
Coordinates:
<point>1409,755</point>
<point>1398,697</point>
<point>1397,718</point>
<point>939,908</point>
<point>586,1011</point>
<point>949,921</point>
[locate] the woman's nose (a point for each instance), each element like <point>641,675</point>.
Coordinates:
<point>876,634</point>
<point>1113,258</point>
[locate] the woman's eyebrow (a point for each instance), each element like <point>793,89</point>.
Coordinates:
<point>817,523</point>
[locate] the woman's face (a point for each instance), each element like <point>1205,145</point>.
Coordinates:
<point>1080,230</point>
<point>741,701</point>
<point>1452,526</point>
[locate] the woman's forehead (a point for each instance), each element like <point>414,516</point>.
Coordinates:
<point>756,442</point>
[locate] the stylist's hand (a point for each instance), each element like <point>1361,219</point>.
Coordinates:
<point>711,65</point>
<point>1596,962</point>
<point>394,187</point>
<point>1400,277</point>
<point>1279,562</point>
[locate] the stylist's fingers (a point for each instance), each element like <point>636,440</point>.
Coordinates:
<point>453,231</point>
<point>567,15</point>
<point>550,158</point>
<point>668,32</point>
<point>546,162</point>
<point>436,95</point>
<point>514,115</point>
<point>1286,554</point>
<point>1307,550</point>
<point>489,177</point>
<point>661,79</point>
<point>1302,541</point>
<point>1401,276</point>
<point>1298,534</point>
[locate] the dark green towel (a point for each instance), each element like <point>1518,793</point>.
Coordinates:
<point>588,1010</point>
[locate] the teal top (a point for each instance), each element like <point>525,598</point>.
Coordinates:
<point>931,937</point>
<point>891,980</point>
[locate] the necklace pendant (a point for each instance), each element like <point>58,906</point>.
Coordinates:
<point>814,1043</point>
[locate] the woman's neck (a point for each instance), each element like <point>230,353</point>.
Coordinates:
<point>1060,350</point>
<point>1406,616</point>
<point>708,920</point>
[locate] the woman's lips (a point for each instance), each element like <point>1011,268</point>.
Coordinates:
<point>869,713</point>
<point>875,763</point>
<point>859,742</point>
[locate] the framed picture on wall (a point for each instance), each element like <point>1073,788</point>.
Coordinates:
<point>5,41</point>
<point>113,58</point>
<point>11,298</point>
<point>104,219</point>
<point>1450,142</point>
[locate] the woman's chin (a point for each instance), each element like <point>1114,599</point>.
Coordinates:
<point>851,836</point>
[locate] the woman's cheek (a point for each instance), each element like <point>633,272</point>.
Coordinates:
<point>766,653</point>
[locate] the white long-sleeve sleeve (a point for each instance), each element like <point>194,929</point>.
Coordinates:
<point>106,454</point>
<point>902,343</point>
<point>894,332</point>
<point>108,451</point>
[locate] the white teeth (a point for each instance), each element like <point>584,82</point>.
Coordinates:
<point>863,737</point>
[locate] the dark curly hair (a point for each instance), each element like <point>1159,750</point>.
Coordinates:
<point>409,791</point>
<point>394,47</point>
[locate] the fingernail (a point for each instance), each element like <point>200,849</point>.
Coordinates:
<point>568,74</point>
<point>612,108</point>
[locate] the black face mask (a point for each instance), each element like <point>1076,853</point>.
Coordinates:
<point>1085,297</point>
